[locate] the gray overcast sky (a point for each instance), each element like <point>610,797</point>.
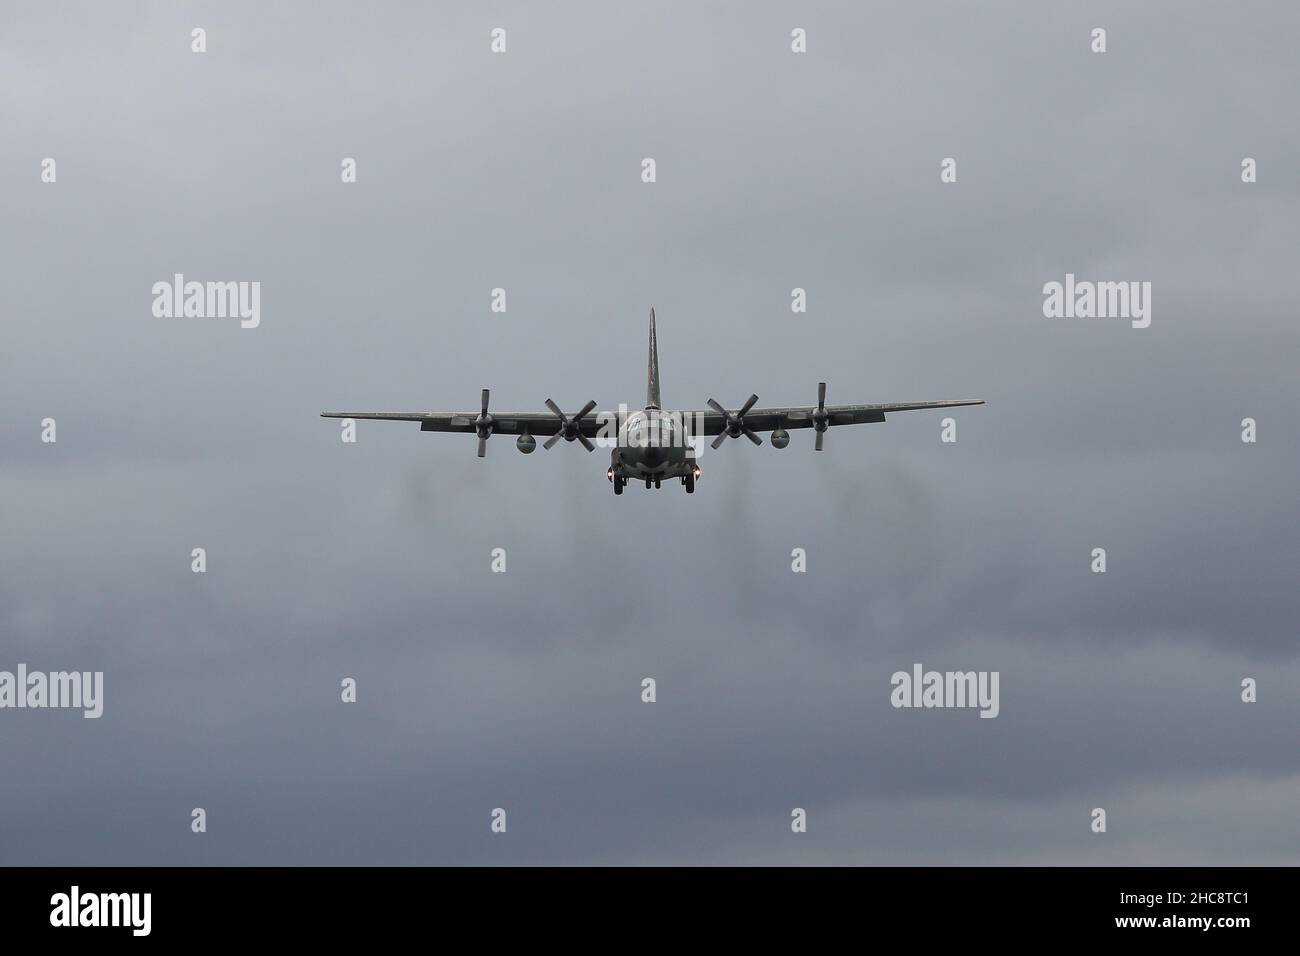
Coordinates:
<point>522,690</point>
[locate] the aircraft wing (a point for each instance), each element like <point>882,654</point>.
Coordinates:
<point>511,423</point>
<point>802,416</point>
<point>757,419</point>
<point>584,426</point>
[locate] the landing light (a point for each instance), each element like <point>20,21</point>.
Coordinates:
<point>610,474</point>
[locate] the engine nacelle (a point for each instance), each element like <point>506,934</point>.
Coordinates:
<point>780,438</point>
<point>526,443</point>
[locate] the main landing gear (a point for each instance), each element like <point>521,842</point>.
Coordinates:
<point>620,483</point>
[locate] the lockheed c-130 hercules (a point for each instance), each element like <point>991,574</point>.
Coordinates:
<point>650,445</point>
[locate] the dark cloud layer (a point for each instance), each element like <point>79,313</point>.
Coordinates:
<point>522,690</point>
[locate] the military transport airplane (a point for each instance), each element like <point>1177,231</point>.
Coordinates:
<point>650,445</point>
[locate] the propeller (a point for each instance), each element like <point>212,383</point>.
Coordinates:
<point>483,425</point>
<point>733,423</point>
<point>570,428</point>
<point>821,418</point>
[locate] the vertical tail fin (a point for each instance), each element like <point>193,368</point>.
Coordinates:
<point>652,380</point>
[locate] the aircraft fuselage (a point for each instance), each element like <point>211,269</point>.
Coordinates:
<point>652,447</point>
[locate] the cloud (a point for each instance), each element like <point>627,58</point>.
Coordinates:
<point>521,690</point>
